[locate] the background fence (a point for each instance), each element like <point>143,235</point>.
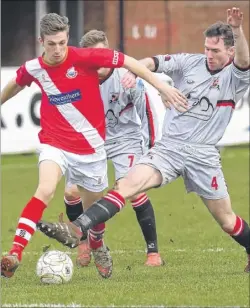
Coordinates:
<point>139,28</point>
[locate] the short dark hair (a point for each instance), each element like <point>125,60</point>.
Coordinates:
<point>223,30</point>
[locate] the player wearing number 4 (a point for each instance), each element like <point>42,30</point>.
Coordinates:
<point>213,83</point>
<point>72,125</point>
<point>128,120</point>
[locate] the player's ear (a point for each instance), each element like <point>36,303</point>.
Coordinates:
<point>40,40</point>
<point>231,51</point>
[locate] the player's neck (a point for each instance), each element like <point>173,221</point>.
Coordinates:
<point>213,72</point>
<point>104,78</point>
<point>48,62</point>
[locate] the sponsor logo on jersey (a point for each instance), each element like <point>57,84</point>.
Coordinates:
<point>71,73</point>
<point>201,109</point>
<point>111,119</point>
<point>115,57</point>
<point>65,98</point>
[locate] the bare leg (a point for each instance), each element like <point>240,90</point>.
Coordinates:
<point>232,224</point>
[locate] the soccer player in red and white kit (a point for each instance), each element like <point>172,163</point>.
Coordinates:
<point>72,124</point>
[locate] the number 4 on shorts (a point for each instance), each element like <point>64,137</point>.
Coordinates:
<point>214,183</point>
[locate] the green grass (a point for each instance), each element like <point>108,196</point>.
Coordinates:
<point>204,265</point>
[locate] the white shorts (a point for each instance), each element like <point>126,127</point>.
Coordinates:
<point>87,171</point>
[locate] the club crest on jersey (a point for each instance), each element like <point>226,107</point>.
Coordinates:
<point>71,73</point>
<point>215,84</point>
<point>114,98</point>
<point>167,58</point>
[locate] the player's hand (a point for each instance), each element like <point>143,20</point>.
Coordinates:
<point>234,17</point>
<point>173,97</point>
<point>128,80</point>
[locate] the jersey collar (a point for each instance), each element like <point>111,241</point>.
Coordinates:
<point>217,71</point>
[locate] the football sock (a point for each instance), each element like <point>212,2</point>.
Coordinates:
<point>101,211</point>
<point>241,233</point>
<point>74,208</point>
<point>26,227</point>
<point>96,236</point>
<point>146,218</point>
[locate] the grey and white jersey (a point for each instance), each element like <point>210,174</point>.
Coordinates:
<point>211,97</point>
<point>126,110</point>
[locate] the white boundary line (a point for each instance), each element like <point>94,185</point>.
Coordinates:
<point>121,252</point>
<point>112,306</point>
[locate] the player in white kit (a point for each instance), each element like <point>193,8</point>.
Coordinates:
<point>129,131</point>
<point>213,83</point>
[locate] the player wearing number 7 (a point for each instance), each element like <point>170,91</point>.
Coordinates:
<point>213,83</point>
<point>129,130</point>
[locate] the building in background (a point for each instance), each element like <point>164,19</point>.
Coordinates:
<point>145,27</point>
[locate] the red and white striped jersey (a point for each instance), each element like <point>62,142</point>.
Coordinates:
<point>72,113</point>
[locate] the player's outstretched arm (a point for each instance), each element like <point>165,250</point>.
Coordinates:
<point>10,90</point>
<point>235,20</point>
<point>129,78</point>
<point>149,63</point>
<point>170,95</point>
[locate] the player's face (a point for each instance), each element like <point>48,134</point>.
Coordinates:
<point>55,47</point>
<point>218,55</point>
<point>102,72</point>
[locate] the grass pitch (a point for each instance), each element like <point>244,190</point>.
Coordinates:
<point>204,266</point>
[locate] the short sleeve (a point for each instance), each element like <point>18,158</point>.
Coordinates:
<point>169,63</point>
<point>100,57</point>
<point>240,80</point>
<point>23,78</point>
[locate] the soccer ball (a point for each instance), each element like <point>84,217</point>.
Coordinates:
<point>54,267</point>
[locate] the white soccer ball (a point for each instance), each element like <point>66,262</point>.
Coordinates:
<point>54,267</point>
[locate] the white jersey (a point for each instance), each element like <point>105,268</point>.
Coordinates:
<point>127,111</point>
<point>211,97</point>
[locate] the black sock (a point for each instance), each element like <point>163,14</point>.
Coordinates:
<point>101,211</point>
<point>244,237</point>
<point>146,218</point>
<point>73,209</point>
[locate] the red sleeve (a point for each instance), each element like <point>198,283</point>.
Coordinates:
<point>23,78</point>
<point>100,57</point>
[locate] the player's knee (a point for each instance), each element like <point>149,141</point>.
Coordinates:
<point>122,184</point>
<point>71,193</point>
<point>45,192</point>
<point>228,223</point>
